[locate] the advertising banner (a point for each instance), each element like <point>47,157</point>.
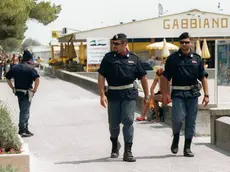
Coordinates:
<point>96,49</point>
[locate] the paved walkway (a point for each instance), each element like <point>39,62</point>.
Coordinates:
<point>71,134</point>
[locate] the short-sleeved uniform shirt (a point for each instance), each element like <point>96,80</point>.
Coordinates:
<point>184,70</point>
<point>121,70</point>
<point>23,75</point>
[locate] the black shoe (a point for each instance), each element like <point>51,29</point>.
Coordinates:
<point>115,147</point>
<point>24,133</point>
<point>128,156</point>
<point>27,131</point>
<point>175,142</point>
<point>187,150</point>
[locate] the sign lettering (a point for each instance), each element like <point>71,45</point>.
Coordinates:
<point>195,23</point>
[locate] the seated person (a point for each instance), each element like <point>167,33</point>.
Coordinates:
<point>157,97</point>
<point>146,107</point>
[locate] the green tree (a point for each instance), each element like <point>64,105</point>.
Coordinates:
<point>15,13</point>
<point>10,44</point>
<point>29,42</point>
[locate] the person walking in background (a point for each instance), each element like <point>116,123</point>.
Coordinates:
<point>24,76</point>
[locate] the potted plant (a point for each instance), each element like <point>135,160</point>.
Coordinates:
<point>13,151</point>
<point>8,168</point>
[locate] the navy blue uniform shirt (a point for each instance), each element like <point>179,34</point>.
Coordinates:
<point>23,75</point>
<point>184,70</point>
<point>121,70</point>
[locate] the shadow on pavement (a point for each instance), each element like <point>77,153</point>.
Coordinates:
<point>108,159</point>
<point>155,125</point>
<point>159,126</point>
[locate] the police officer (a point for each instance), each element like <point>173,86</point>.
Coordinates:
<point>24,76</point>
<point>120,68</point>
<point>185,68</point>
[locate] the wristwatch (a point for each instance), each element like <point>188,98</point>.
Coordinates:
<point>206,95</point>
<point>147,97</point>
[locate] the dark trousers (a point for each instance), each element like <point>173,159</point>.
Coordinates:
<point>122,111</point>
<point>184,109</point>
<point>24,106</point>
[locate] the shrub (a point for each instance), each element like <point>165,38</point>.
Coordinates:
<point>9,141</point>
<point>8,169</point>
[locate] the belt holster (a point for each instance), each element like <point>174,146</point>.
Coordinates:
<point>196,89</point>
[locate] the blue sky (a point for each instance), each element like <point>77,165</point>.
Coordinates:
<point>89,14</point>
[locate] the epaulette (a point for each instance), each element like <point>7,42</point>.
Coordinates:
<point>196,54</point>
<point>174,53</point>
<point>110,53</point>
<point>134,54</point>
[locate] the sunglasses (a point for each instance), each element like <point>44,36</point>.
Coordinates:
<point>116,43</point>
<point>184,42</point>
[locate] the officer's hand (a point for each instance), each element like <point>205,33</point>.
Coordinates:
<point>104,101</point>
<point>205,101</point>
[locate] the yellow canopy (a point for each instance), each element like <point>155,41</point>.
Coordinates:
<point>72,50</point>
<point>82,56</point>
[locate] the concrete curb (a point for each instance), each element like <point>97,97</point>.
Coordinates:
<point>222,133</point>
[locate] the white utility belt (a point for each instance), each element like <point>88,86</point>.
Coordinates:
<point>29,92</point>
<point>182,87</point>
<point>122,87</point>
<point>21,90</point>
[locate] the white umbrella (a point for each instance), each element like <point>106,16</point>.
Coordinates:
<point>159,46</point>
<point>205,52</point>
<point>198,50</point>
<point>165,51</point>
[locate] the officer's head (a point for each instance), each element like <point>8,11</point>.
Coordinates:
<point>27,56</point>
<point>119,42</point>
<point>185,41</point>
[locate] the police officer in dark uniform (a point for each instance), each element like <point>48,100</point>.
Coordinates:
<point>185,68</point>
<point>24,75</point>
<point>120,68</point>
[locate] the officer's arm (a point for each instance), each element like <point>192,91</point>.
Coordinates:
<point>36,84</point>
<point>142,75</point>
<point>204,82</point>
<point>144,83</point>
<point>102,71</point>
<point>101,85</point>
<point>36,79</point>
<point>166,76</point>
<point>203,75</point>
<point>10,84</point>
<point>9,75</point>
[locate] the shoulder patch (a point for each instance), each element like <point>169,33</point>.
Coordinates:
<point>134,55</point>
